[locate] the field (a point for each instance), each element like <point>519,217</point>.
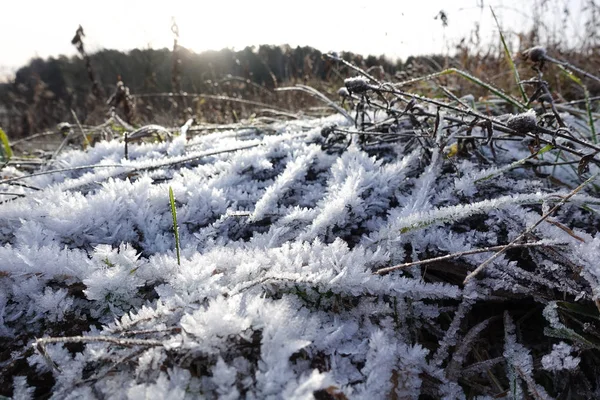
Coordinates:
<point>428,237</point>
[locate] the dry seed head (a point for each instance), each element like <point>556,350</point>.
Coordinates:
<point>357,84</point>
<point>327,130</point>
<point>535,54</point>
<point>523,123</point>
<point>64,127</point>
<point>343,92</point>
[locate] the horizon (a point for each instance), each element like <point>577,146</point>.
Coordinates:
<point>393,30</point>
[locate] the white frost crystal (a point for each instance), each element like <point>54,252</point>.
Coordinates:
<point>560,358</point>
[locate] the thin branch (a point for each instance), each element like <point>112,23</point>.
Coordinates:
<point>85,139</point>
<point>97,339</point>
<point>57,171</point>
<point>12,194</point>
<point>384,271</point>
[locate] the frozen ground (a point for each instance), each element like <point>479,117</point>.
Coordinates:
<point>276,295</point>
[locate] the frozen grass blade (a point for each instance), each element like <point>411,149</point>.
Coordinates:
<point>421,220</point>
<point>571,67</point>
<point>175,226</point>
<point>588,107</point>
<point>558,329</point>
<point>517,163</point>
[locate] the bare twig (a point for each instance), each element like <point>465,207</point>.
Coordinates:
<point>85,139</point>
<point>58,171</point>
<point>97,339</point>
<point>384,271</point>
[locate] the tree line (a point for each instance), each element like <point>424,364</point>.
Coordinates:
<point>44,92</point>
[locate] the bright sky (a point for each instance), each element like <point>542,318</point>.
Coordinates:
<point>396,28</point>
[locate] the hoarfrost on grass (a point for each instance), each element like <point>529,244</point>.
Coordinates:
<point>275,294</point>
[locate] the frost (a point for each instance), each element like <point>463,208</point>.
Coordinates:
<point>307,386</point>
<point>224,378</point>
<point>357,84</point>
<point>520,363</point>
<point>114,280</point>
<point>523,123</point>
<point>171,385</point>
<point>54,304</point>
<point>21,391</point>
<point>276,294</point>
<point>560,358</point>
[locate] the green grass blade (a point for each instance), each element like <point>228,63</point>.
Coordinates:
<point>175,226</point>
<point>588,103</point>
<point>515,164</point>
<point>6,150</point>
<point>588,107</point>
<point>511,63</point>
<point>570,75</point>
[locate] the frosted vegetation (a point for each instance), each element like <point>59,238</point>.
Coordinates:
<point>284,232</point>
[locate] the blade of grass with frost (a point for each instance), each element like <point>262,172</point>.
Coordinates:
<point>571,335</point>
<point>175,226</point>
<point>471,78</point>
<point>57,171</point>
<point>6,150</point>
<point>588,104</point>
<point>319,95</point>
<point>559,330</point>
<point>511,63</point>
<point>520,364</point>
<point>421,220</point>
<point>515,164</point>
<point>580,309</point>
